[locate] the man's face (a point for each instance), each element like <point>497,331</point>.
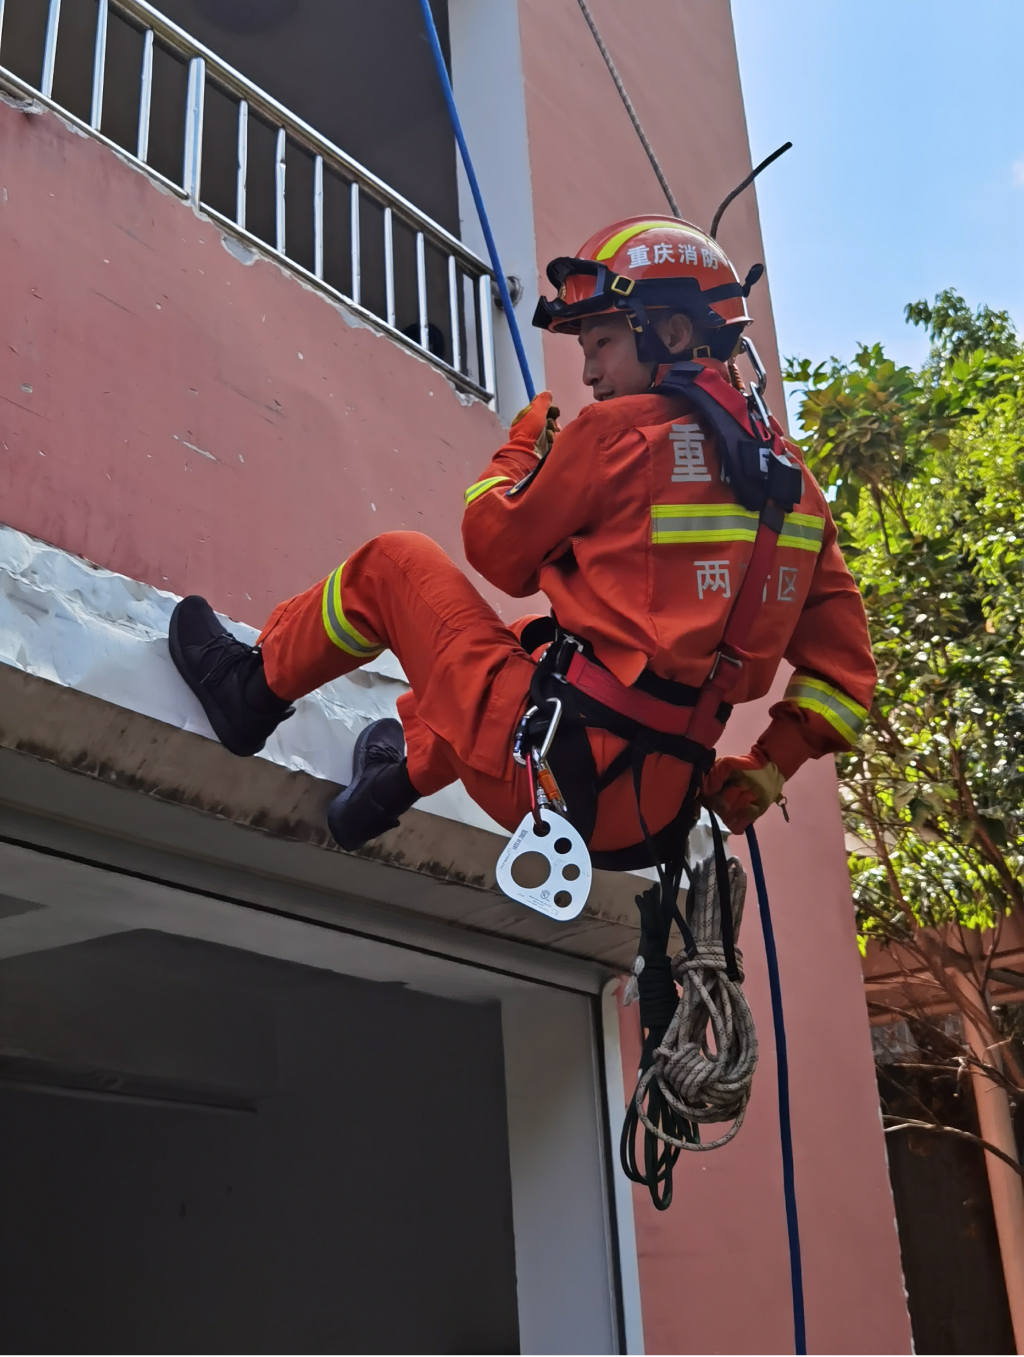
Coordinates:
<point>610,364</point>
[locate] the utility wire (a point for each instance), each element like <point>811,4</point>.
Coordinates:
<point>655,166</point>
<point>630,109</point>
<point>713,233</point>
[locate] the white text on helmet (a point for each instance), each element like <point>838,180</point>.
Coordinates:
<point>664,253</point>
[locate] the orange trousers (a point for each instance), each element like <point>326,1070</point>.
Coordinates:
<point>468,674</point>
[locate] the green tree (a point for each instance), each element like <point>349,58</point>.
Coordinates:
<point>956,331</point>
<point>926,469</point>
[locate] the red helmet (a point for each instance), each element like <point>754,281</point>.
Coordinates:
<point>648,263</point>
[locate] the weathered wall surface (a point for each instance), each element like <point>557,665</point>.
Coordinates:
<point>199,423</point>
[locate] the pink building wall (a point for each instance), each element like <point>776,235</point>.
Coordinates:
<point>134,339</point>
<point>206,425</point>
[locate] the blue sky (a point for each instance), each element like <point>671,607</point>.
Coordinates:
<point>907,169</point>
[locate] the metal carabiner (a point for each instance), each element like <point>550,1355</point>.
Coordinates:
<point>537,757</point>
<point>756,394</point>
<point>536,794</point>
<point>541,754</point>
<point>757,365</point>
<point>517,743</point>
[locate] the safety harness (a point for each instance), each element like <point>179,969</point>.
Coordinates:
<point>656,716</point>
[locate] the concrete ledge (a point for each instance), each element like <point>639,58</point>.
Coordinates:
<point>430,865</point>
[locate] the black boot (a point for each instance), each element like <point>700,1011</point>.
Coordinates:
<point>227,677</point>
<point>380,790</point>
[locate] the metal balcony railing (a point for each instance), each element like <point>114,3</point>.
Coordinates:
<point>315,208</point>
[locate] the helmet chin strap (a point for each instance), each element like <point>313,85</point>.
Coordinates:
<point>650,347</point>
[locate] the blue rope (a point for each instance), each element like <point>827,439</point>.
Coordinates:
<point>492,249</point>
<point>782,1067</point>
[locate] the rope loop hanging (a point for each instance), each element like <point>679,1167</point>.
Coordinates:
<point>704,1065</point>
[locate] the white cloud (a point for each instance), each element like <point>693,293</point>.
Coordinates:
<point>1017,172</point>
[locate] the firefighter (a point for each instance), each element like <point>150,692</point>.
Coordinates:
<point>638,522</point>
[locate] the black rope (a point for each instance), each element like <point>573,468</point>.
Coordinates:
<point>658,998</point>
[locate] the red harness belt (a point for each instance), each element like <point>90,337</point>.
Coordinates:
<point>604,687</point>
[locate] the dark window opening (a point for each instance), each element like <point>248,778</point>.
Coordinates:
<point>204,1149</point>
<point>360,74</point>
<point>951,1261</point>
<point>23,39</point>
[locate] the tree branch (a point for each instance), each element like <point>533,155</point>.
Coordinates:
<point>989,849</point>
<point>986,1145</point>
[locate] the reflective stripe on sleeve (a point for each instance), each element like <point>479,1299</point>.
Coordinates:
<point>833,704</point>
<point>339,629</point>
<point>482,487</point>
<point>728,523</point>
<point>804,531</point>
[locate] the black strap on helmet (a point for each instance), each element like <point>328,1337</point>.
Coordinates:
<point>636,295</point>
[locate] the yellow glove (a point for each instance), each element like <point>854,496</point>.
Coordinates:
<point>740,788</point>
<point>536,425</point>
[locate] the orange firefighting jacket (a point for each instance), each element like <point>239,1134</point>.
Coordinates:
<point>640,547</point>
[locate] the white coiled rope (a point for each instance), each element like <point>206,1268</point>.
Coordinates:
<point>705,1064</point>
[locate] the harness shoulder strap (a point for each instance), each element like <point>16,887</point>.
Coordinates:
<point>751,463</point>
